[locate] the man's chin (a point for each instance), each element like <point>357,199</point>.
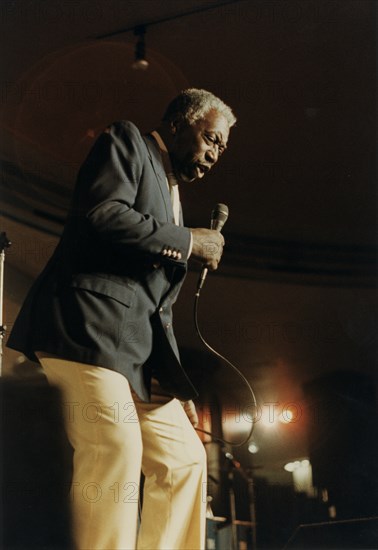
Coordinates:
<point>186,178</point>
<point>192,176</point>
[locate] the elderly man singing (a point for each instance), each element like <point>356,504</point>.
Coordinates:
<point>99,320</point>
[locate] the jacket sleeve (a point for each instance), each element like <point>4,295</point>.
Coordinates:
<point>106,192</point>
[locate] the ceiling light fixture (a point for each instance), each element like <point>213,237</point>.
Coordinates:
<point>140,63</point>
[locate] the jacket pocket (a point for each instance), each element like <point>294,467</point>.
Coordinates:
<point>123,293</point>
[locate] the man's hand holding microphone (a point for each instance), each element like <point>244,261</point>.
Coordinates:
<point>207,247</point>
<point>208,243</point>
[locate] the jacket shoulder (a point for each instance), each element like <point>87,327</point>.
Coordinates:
<point>124,128</point>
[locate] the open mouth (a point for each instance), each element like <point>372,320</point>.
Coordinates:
<point>202,169</point>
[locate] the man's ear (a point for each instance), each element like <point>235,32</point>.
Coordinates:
<point>176,124</point>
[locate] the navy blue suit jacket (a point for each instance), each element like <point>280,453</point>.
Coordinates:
<point>106,294</point>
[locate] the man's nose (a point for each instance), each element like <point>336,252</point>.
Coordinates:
<point>212,155</point>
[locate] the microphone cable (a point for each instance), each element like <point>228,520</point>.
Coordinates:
<point>234,368</point>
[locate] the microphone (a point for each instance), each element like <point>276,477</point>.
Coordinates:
<point>219,216</point>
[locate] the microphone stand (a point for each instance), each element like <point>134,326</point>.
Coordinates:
<point>252,505</point>
<point>4,243</point>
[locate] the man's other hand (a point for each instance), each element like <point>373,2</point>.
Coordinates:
<point>191,412</point>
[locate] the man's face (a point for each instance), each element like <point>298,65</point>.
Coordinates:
<point>197,147</point>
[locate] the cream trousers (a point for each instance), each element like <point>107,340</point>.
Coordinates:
<point>114,435</point>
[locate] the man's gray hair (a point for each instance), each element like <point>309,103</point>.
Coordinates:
<point>193,104</point>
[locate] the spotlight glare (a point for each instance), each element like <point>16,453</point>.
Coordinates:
<point>286,417</point>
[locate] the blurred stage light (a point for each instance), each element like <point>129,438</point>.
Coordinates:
<point>253,448</point>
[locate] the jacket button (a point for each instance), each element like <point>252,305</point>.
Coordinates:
<point>167,325</point>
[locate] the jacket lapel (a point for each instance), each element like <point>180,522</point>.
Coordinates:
<point>158,168</point>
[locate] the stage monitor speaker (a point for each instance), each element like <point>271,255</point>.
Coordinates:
<point>359,533</point>
<point>35,468</point>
